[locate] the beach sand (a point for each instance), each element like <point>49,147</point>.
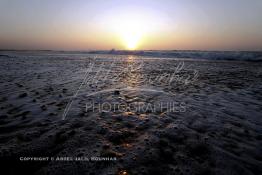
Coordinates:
<point>51,107</point>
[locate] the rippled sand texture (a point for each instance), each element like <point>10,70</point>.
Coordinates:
<point>217,128</point>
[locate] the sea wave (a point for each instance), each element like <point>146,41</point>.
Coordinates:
<point>255,56</point>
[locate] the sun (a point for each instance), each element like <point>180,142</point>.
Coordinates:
<point>131,40</point>
<point>131,29</point>
<point>131,33</point>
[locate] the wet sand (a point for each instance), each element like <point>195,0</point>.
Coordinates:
<point>216,127</point>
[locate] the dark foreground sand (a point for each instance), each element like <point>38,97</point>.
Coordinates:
<point>215,129</point>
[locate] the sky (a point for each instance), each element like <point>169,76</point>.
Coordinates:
<point>131,24</point>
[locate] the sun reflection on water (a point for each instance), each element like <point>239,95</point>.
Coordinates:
<point>122,172</point>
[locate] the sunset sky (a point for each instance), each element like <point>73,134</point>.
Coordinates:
<point>131,24</point>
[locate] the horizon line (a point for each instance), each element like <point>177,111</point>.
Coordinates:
<point>126,50</point>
